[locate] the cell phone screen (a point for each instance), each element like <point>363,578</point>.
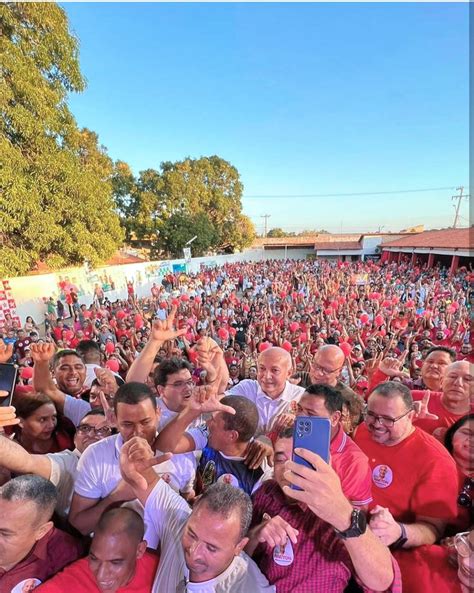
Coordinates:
<point>8,373</point>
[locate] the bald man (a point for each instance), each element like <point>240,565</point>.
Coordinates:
<point>452,403</point>
<point>326,369</point>
<point>272,393</point>
<point>117,560</point>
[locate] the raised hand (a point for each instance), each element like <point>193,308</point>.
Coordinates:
<point>205,399</point>
<point>136,458</point>
<point>106,380</point>
<point>320,489</point>
<point>162,331</point>
<point>6,351</point>
<point>421,408</point>
<point>42,352</point>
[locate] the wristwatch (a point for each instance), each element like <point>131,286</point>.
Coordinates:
<point>402,540</point>
<point>358,525</point>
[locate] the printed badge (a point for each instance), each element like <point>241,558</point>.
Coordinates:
<point>26,586</point>
<point>382,476</point>
<point>229,479</point>
<point>283,555</point>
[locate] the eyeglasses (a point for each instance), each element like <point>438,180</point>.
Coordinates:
<point>181,384</point>
<point>323,370</point>
<point>465,496</point>
<point>104,431</point>
<point>462,544</point>
<point>384,420</point>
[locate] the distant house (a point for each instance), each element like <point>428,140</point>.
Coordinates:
<point>451,248</point>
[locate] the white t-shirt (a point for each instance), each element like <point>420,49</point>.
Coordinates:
<point>98,470</point>
<point>268,408</point>
<point>75,409</point>
<point>63,476</point>
<point>166,513</point>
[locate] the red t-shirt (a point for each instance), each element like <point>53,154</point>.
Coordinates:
<point>352,467</point>
<point>414,477</point>
<point>427,569</point>
<point>445,418</point>
<point>78,578</point>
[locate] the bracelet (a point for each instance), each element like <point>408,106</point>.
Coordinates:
<point>402,540</point>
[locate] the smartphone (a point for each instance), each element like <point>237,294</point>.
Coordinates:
<point>312,433</point>
<point>8,373</point>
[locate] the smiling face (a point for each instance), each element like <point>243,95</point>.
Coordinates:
<point>388,408</point>
<point>210,543</point>
<point>177,391</point>
<point>113,559</point>
<point>70,374</point>
<point>273,370</point>
<point>463,443</point>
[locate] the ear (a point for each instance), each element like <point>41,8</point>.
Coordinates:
<point>336,418</point>
<point>233,435</point>
<point>241,545</point>
<point>141,548</point>
<point>43,529</point>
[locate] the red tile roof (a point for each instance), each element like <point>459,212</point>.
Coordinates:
<point>338,246</point>
<point>444,238</point>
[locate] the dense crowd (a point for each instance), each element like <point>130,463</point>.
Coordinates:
<point>149,445</point>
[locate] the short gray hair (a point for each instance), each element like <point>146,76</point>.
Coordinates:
<point>392,389</point>
<point>224,499</point>
<point>35,489</point>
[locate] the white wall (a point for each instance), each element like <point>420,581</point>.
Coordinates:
<point>29,292</point>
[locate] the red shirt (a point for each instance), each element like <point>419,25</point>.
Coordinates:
<point>320,560</point>
<point>415,477</point>
<point>352,467</point>
<point>49,555</point>
<point>78,578</point>
<point>445,418</point>
<point>427,569</point>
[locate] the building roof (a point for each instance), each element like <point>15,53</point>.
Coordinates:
<point>444,238</point>
<point>338,246</point>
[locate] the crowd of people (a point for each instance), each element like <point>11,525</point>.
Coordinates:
<point>149,444</point>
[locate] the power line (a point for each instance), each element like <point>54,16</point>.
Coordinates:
<point>366,193</point>
<point>458,198</point>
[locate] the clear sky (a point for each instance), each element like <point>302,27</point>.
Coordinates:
<point>304,99</point>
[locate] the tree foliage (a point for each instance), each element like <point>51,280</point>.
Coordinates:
<point>209,187</point>
<point>55,180</point>
<point>179,228</point>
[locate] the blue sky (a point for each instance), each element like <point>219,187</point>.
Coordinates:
<point>303,99</point>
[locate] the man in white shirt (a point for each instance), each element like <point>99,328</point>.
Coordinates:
<point>99,484</point>
<point>202,549</point>
<point>272,393</point>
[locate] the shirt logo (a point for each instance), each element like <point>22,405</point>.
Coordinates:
<point>283,555</point>
<point>382,476</point>
<point>26,586</point>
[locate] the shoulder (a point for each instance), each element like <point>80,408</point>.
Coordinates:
<point>247,388</point>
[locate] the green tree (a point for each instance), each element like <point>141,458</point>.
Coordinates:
<point>179,228</point>
<point>276,233</point>
<point>55,180</point>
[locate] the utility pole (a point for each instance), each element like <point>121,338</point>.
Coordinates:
<point>458,198</point>
<point>266,217</point>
